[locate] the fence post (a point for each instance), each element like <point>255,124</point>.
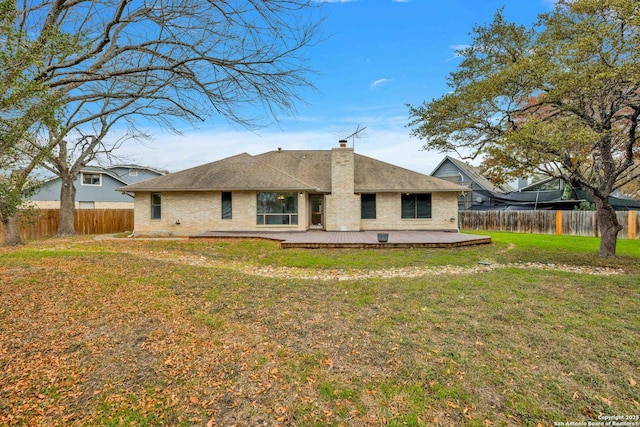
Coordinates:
<point>558,223</point>
<point>631,221</point>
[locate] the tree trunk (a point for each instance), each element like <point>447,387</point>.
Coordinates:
<point>608,226</point>
<point>67,207</point>
<point>11,231</point>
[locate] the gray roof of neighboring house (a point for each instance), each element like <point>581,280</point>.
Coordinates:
<point>295,170</point>
<point>110,170</point>
<point>126,177</point>
<point>473,173</point>
<point>537,183</point>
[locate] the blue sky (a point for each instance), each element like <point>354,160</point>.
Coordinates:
<point>380,56</point>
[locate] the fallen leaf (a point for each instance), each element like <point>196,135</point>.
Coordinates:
<point>606,401</point>
<point>632,382</point>
<point>576,396</point>
<point>210,423</point>
<point>467,412</point>
<point>194,400</point>
<point>488,423</point>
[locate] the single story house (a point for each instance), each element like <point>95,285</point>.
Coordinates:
<point>546,194</point>
<point>294,190</point>
<point>95,187</point>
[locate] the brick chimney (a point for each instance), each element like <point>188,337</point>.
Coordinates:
<point>342,170</point>
<point>343,205</point>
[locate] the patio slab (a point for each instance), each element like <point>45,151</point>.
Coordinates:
<point>357,239</point>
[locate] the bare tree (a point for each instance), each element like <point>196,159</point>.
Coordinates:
<point>165,61</point>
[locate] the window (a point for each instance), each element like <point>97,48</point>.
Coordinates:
<point>133,172</point>
<point>416,206</point>
<point>277,209</point>
<point>156,205</point>
<point>91,179</point>
<point>226,205</point>
<point>368,206</point>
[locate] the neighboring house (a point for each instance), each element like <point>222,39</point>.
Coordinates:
<point>333,190</point>
<point>545,194</point>
<point>482,190</point>
<point>556,194</point>
<point>95,187</point>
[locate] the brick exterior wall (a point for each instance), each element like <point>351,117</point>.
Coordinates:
<point>444,206</point>
<point>198,212</point>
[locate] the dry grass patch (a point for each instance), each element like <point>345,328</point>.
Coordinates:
<point>129,333</point>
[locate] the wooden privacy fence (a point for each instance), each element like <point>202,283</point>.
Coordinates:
<point>570,223</point>
<point>86,221</point>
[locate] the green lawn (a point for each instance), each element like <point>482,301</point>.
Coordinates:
<point>134,332</point>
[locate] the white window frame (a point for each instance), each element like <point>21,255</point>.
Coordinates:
<point>99,184</point>
<point>156,207</point>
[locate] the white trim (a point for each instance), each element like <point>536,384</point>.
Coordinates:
<point>82,175</point>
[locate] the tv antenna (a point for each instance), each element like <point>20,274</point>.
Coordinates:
<point>358,133</point>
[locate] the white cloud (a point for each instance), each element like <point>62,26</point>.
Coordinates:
<point>379,83</point>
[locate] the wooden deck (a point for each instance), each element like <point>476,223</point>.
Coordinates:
<point>358,239</point>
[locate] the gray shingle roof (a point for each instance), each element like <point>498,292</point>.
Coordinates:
<point>375,175</point>
<point>474,173</point>
<point>293,170</point>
